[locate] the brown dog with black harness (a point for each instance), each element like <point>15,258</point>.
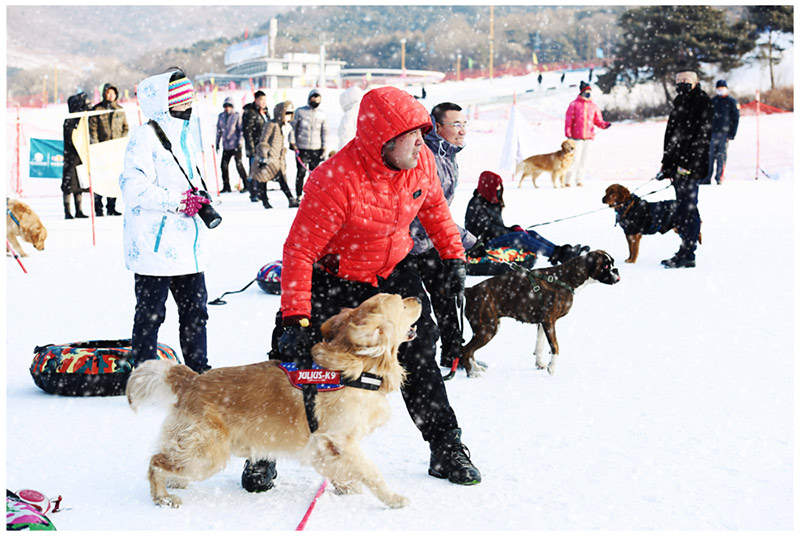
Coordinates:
<point>531,296</point>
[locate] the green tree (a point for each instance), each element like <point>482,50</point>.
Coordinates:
<point>659,41</point>
<point>772,20</point>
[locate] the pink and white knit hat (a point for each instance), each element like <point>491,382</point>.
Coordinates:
<point>180,91</point>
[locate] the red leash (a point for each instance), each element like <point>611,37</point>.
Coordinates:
<point>302,525</point>
<point>16,256</point>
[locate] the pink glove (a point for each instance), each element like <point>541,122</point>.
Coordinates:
<point>191,203</point>
<point>517,228</point>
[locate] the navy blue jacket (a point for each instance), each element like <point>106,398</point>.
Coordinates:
<point>726,116</point>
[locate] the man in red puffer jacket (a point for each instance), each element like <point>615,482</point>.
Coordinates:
<point>350,240</point>
<point>582,116</point>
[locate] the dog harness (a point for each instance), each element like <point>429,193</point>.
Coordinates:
<point>14,218</point>
<point>320,379</point>
<point>534,279</point>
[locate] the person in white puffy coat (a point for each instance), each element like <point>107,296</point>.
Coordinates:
<point>349,100</point>
<point>163,240</point>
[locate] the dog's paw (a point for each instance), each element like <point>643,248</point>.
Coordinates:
<point>170,500</point>
<point>629,260</point>
<point>551,368</point>
<point>396,501</point>
<point>345,489</point>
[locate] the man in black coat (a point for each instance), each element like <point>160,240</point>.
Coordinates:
<point>685,161</point>
<point>724,125</point>
<point>254,117</point>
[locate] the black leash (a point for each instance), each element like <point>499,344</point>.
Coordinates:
<point>601,208</point>
<point>219,302</point>
<point>460,307</point>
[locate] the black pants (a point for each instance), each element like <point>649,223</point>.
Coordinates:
<point>717,154</point>
<point>111,204</point>
<point>189,292</point>
<point>687,216</point>
<point>260,188</point>
<point>306,158</point>
<point>430,268</point>
<point>226,159</point>
<point>424,391</point>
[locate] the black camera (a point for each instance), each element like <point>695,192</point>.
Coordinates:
<point>207,213</point>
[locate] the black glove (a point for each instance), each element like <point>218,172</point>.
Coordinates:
<point>661,176</point>
<point>295,344</point>
<point>477,251</point>
<point>262,163</point>
<point>292,147</point>
<point>455,277</point>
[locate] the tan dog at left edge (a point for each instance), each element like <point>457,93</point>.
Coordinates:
<point>26,224</point>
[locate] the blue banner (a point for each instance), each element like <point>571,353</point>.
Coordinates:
<point>47,158</point>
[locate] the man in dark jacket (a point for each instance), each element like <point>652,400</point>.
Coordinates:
<point>254,116</point>
<point>445,140</point>
<point>685,161</point>
<point>229,132</point>
<point>350,240</point>
<point>103,127</point>
<point>724,125</point>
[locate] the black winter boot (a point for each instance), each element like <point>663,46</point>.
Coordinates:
<point>111,207</point>
<point>78,206</point>
<point>67,214</point>
<point>450,460</point>
<point>257,476</point>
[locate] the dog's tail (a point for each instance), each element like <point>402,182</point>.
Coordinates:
<point>518,170</point>
<point>157,381</point>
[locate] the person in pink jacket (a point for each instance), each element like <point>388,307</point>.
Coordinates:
<point>582,116</point>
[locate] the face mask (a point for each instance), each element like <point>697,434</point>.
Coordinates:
<point>722,92</point>
<point>183,114</point>
<point>586,95</point>
<point>313,104</point>
<point>683,87</point>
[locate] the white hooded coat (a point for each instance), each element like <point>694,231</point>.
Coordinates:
<point>157,239</point>
<point>350,99</point>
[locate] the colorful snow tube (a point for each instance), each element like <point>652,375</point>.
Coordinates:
<point>498,261</point>
<point>269,277</point>
<point>21,515</point>
<point>87,368</point>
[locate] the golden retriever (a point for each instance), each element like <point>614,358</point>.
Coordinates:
<point>556,163</point>
<point>253,411</point>
<point>26,224</point>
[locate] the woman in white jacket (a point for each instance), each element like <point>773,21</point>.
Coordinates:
<point>163,237</point>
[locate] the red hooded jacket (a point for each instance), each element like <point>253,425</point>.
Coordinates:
<point>582,116</point>
<point>356,211</point>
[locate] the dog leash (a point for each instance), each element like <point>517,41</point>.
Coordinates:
<point>601,208</point>
<point>320,491</point>
<point>16,256</point>
<point>460,307</point>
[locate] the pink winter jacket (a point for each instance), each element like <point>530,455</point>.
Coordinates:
<point>582,116</point>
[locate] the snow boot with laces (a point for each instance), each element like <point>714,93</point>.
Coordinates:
<point>450,460</point>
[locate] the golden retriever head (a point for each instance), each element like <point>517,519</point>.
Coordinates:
<point>367,338</point>
<point>568,146</point>
<point>36,234</point>
<point>616,195</point>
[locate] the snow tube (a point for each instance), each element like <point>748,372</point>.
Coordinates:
<point>87,368</point>
<point>21,515</point>
<point>269,277</point>
<point>498,259</point>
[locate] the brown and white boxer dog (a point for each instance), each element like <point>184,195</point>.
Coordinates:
<point>531,296</point>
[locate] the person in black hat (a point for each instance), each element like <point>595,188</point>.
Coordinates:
<point>724,125</point>
<point>685,161</point>
<point>308,138</point>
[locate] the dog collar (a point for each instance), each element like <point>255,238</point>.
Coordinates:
<point>328,380</point>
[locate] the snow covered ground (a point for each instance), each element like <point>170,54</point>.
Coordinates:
<point>671,408</point>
